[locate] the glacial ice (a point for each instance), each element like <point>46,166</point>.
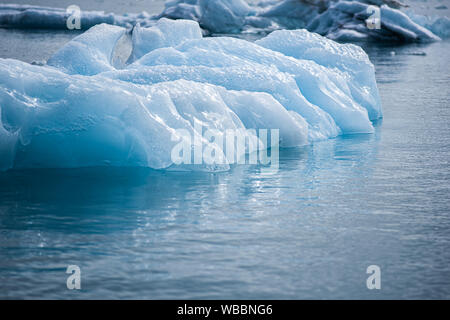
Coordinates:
<point>31,16</point>
<point>81,109</point>
<point>165,33</point>
<point>341,20</point>
<point>346,20</point>
<point>338,20</point>
<point>90,53</point>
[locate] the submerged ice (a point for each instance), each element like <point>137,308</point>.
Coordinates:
<point>85,109</point>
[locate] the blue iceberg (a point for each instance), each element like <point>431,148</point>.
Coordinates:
<point>121,103</point>
<point>340,20</point>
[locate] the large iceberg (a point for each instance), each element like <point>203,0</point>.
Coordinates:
<point>85,109</point>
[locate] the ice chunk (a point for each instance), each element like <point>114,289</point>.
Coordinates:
<point>293,14</point>
<point>343,20</point>
<point>352,15</point>
<point>323,88</point>
<point>80,110</point>
<point>398,22</point>
<point>28,16</point>
<point>90,52</point>
<point>223,16</point>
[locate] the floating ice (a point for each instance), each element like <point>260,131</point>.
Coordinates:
<point>350,60</point>
<point>82,109</point>
<point>29,16</point>
<point>338,20</point>
<point>440,26</point>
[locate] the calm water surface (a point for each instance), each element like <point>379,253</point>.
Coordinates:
<point>310,231</point>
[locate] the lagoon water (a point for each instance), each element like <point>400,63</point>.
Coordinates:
<point>310,231</point>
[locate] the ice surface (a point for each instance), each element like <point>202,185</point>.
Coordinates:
<point>83,110</point>
<point>89,53</point>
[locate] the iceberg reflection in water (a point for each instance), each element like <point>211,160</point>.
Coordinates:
<point>82,110</point>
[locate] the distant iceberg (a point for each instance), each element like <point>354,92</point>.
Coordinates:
<point>112,97</point>
<point>38,17</point>
<point>440,26</point>
<point>340,20</point>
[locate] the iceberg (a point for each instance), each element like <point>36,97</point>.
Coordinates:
<point>165,33</point>
<point>347,20</point>
<point>84,109</point>
<point>40,17</point>
<point>336,19</point>
<point>349,60</point>
<point>30,16</point>
<point>440,26</point>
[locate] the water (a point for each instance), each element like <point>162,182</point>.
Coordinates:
<point>310,231</point>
